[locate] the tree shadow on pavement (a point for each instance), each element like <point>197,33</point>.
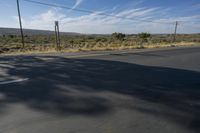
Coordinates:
<point>77,86</point>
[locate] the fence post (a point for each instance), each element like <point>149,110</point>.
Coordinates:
<point>57,34</point>
<point>175,31</point>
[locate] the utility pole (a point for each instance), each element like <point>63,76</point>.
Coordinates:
<point>175,31</point>
<point>20,23</point>
<point>57,34</point>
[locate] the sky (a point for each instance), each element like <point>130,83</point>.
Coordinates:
<point>127,16</point>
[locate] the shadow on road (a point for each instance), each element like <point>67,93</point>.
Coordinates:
<point>76,86</point>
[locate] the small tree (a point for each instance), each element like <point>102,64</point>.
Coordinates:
<point>144,36</point>
<point>11,36</point>
<point>118,36</point>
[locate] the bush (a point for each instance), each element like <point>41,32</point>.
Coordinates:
<point>118,36</point>
<point>11,36</point>
<point>144,36</point>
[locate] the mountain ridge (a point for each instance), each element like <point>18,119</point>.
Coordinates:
<point>15,31</point>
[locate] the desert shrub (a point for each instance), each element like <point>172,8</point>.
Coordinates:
<point>11,36</point>
<point>144,36</point>
<point>118,36</point>
<point>97,39</point>
<point>91,37</point>
<point>37,42</point>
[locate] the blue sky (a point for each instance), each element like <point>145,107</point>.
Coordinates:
<point>162,15</point>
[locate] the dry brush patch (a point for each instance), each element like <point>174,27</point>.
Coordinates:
<point>45,44</point>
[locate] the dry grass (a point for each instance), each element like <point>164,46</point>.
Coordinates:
<point>147,46</point>
<point>46,44</point>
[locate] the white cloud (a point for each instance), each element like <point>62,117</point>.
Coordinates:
<point>139,12</point>
<point>43,21</point>
<point>95,23</point>
<point>77,3</point>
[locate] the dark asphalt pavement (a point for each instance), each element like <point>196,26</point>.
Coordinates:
<point>143,92</point>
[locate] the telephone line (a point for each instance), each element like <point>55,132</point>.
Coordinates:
<point>89,11</point>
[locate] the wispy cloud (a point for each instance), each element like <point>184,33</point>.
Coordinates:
<point>96,23</point>
<point>138,12</point>
<point>42,21</point>
<point>4,3</point>
<point>196,6</point>
<point>77,3</point>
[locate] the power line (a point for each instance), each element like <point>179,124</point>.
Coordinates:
<point>90,11</point>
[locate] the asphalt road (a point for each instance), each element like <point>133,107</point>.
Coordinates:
<point>143,92</point>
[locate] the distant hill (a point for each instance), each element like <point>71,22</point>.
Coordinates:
<point>14,31</point>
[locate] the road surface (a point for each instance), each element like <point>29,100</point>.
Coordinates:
<point>119,92</point>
